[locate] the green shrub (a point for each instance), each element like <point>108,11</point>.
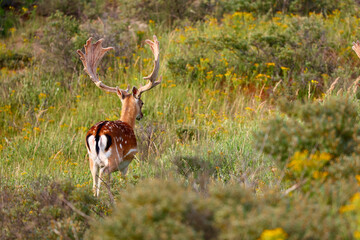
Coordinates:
<point>37,211</point>
<point>118,33</point>
<point>168,210</point>
<point>67,7</point>
<point>331,126</point>
<point>169,13</point>
<point>62,36</point>
<point>8,20</point>
<point>12,14</point>
<point>252,51</point>
<point>146,213</point>
<point>303,7</point>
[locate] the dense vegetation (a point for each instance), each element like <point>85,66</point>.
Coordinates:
<point>253,134</point>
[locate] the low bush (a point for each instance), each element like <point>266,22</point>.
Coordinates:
<point>245,51</point>
<point>302,7</point>
<point>11,59</point>
<point>169,13</point>
<point>162,214</point>
<point>67,7</point>
<point>44,210</point>
<point>314,140</point>
<point>331,126</point>
<point>167,210</point>
<point>62,36</point>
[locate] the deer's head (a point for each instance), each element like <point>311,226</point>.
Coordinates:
<point>131,101</point>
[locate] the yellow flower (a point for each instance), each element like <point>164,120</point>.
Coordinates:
<point>260,75</point>
<point>189,67</point>
<point>302,160</point>
<point>42,96</point>
<point>23,173</point>
<point>357,234</point>
<point>270,64</point>
<point>284,68</point>
<point>347,208</point>
<point>357,177</point>
<point>314,82</point>
<point>249,109</point>
<point>227,74</point>
<point>209,75</point>
<point>273,234</point>
<point>12,30</point>
<point>182,38</point>
<point>354,204</point>
<point>355,198</point>
<point>319,175</point>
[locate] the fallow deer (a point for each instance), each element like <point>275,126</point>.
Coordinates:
<point>111,145</point>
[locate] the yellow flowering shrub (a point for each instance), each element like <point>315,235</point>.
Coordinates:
<point>354,208</point>
<point>273,234</point>
<point>305,163</point>
<point>311,135</point>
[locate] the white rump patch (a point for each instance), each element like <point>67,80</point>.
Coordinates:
<point>91,143</point>
<point>103,155</point>
<point>102,143</point>
<point>92,150</point>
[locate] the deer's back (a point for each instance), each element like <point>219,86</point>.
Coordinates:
<point>111,143</point>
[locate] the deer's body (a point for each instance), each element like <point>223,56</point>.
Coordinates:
<point>111,145</point>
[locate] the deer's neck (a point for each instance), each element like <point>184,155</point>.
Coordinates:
<point>128,115</point>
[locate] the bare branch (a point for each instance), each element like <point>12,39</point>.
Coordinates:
<point>70,205</point>
<point>294,187</point>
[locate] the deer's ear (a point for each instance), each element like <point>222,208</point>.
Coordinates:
<point>135,91</point>
<point>121,93</point>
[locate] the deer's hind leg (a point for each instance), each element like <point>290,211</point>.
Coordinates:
<point>94,168</point>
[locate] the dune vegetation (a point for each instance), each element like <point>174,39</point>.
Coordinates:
<point>254,132</point>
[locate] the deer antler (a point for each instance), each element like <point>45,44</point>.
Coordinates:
<point>154,45</point>
<point>91,59</point>
<point>356,48</point>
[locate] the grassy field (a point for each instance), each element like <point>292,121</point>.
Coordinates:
<point>254,132</point>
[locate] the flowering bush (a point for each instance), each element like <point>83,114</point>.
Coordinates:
<point>157,209</point>
<point>323,129</point>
